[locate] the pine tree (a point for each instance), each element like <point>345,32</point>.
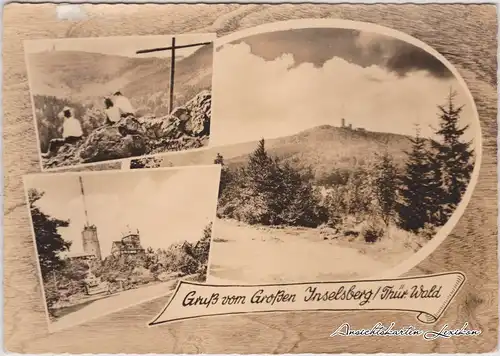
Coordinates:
<point>435,188</point>
<point>271,192</point>
<point>386,187</point>
<point>417,205</point>
<point>260,184</point>
<point>453,154</point>
<point>219,159</point>
<point>296,202</point>
<point>49,242</point>
<point>260,168</point>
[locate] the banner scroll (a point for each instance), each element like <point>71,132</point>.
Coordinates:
<point>428,296</point>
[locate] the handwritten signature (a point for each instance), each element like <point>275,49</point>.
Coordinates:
<point>380,329</point>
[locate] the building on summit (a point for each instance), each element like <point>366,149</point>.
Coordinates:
<point>130,244</point>
<point>349,126</point>
<point>90,241</point>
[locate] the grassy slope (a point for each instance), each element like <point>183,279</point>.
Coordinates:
<point>324,148</point>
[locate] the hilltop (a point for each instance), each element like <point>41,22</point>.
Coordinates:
<point>325,148</point>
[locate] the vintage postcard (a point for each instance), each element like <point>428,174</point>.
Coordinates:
<point>363,167</point>
<point>109,98</point>
<point>109,240</point>
<point>343,199</point>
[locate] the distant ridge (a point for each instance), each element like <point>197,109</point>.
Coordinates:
<point>325,148</point>
<point>85,75</point>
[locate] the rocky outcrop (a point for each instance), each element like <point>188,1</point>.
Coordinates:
<point>67,155</point>
<point>197,117</point>
<point>186,127</point>
<point>108,143</point>
<point>191,120</point>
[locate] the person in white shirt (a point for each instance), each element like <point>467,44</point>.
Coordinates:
<point>112,112</point>
<point>123,104</point>
<point>71,131</point>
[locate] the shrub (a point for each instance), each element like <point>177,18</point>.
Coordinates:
<point>353,197</point>
<point>428,231</point>
<point>373,230</point>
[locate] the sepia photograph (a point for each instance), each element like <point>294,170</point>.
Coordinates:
<point>109,240</point>
<point>354,150</point>
<point>109,98</point>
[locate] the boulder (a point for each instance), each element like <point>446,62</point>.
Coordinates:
<point>196,114</point>
<point>162,127</point>
<point>130,125</point>
<point>109,142</point>
<point>181,113</point>
<point>67,154</point>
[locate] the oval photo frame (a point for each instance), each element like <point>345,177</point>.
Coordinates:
<point>444,230</point>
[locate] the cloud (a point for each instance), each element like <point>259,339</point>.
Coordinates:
<point>282,97</point>
<point>398,56</point>
<point>319,45</point>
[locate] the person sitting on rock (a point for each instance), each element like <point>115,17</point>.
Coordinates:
<point>72,128</point>
<point>123,104</point>
<point>112,112</point>
<point>72,133</point>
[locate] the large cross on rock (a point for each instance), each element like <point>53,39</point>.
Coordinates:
<point>172,48</point>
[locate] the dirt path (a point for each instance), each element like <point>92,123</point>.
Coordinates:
<point>113,303</point>
<point>255,254</point>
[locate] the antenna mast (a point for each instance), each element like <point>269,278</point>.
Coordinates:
<point>84,203</point>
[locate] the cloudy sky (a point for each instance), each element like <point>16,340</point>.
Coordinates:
<point>121,46</point>
<point>167,205</point>
<point>281,83</point>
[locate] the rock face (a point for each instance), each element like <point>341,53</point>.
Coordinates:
<point>111,142</point>
<point>67,155</point>
<point>186,127</point>
<point>192,120</point>
<point>199,111</point>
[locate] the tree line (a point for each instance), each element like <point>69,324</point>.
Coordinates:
<point>418,198</point>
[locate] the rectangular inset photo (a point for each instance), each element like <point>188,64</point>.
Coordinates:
<point>112,239</point>
<point>109,98</point>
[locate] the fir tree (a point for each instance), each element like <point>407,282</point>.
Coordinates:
<point>260,168</point>
<point>260,181</point>
<point>417,205</point>
<point>271,192</point>
<point>49,242</point>
<point>453,154</point>
<point>438,214</point>
<point>296,202</point>
<point>219,159</point>
<point>386,187</point>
